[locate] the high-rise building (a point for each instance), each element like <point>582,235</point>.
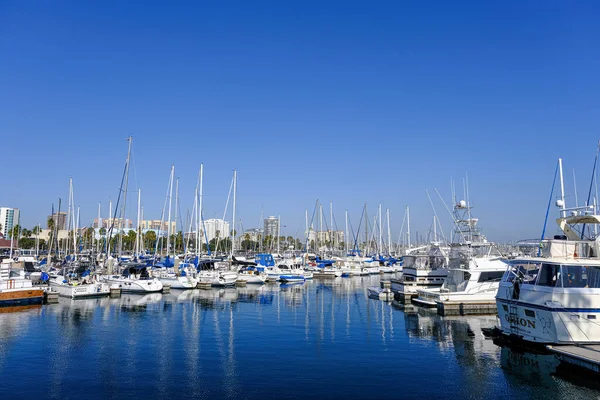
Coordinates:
<point>60,220</point>
<point>272,226</point>
<point>254,234</point>
<point>9,217</point>
<point>211,227</point>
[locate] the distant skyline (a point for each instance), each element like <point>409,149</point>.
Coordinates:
<point>348,102</point>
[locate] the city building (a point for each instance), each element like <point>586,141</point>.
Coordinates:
<point>254,234</point>
<point>272,226</point>
<point>211,227</point>
<point>106,223</point>
<point>157,224</point>
<point>9,217</point>
<point>333,238</point>
<point>60,220</point>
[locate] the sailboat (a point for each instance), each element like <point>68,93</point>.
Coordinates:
<point>76,279</point>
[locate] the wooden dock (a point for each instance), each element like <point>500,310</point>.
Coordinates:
<point>584,356</point>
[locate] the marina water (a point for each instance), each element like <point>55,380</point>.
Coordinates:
<point>320,339</point>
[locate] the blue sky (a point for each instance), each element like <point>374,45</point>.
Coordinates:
<point>349,102</point>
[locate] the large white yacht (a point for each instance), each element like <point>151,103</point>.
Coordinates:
<point>553,297</point>
<point>475,266</point>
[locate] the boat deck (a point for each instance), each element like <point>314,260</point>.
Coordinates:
<point>585,356</point>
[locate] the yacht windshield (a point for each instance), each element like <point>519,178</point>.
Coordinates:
<point>526,271</point>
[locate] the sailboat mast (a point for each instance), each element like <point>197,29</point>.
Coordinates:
<point>379,249</point>
<point>331,237</point>
<point>199,211</point>
<point>233,218</point>
<point>389,232</point>
<point>169,211</point>
<point>408,227</point>
<point>346,231</point>
<point>175,222</point>
<point>138,228</point>
<point>75,231</point>
<point>124,209</point>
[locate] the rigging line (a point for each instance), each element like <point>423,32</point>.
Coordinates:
<point>548,210</point>
<point>435,213</point>
<point>112,224</point>
<point>358,231</point>
<point>225,214</point>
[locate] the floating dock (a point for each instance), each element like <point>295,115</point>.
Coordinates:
<point>584,356</point>
<point>466,308</point>
<point>50,297</point>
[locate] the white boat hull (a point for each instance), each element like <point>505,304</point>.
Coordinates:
<point>135,285</point>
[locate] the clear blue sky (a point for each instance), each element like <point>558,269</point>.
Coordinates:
<point>350,102</point>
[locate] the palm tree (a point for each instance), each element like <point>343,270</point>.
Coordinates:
<point>131,236</point>
<point>16,231</point>
<point>36,230</point>
<point>50,223</point>
<point>26,233</point>
<point>151,238</point>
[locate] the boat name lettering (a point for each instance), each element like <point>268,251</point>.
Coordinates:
<point>520,321</point>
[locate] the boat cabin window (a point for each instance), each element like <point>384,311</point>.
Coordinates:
<point>490,276</point>
<point>579,276</point>
<point>549,275</point>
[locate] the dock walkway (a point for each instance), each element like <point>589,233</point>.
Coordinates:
<point>585,356</point>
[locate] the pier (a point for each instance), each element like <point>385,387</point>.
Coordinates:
<point>466,308</point>
<point>583,356</point>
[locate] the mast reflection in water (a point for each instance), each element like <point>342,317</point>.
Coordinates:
<point>320,339</point>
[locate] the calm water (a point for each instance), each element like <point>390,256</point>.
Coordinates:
<point>321,339</point>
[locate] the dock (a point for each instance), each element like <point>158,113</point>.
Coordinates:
<point>584,356</point>
<point>466,308</point>
<point>50,297</point>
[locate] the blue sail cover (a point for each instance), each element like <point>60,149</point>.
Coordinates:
<point>168,262</point>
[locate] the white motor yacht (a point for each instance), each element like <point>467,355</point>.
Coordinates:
<point>553,296</point>
<point>475,266</point>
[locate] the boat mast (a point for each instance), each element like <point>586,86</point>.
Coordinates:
<point>408,227</point>
<point>199,210</point>
<point>379,249</point>
<point>75,233</point>
<point>169,211</point>
<point>123,208</point>
<point>346,231</point>
<point>307,231</point>
<point>138,228</point>
<point>68,220</point>
<point>111,222</point>
<point>389,232</point>
<point>331,237</point>
<point>233,218</point>
<point>175,222</point>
